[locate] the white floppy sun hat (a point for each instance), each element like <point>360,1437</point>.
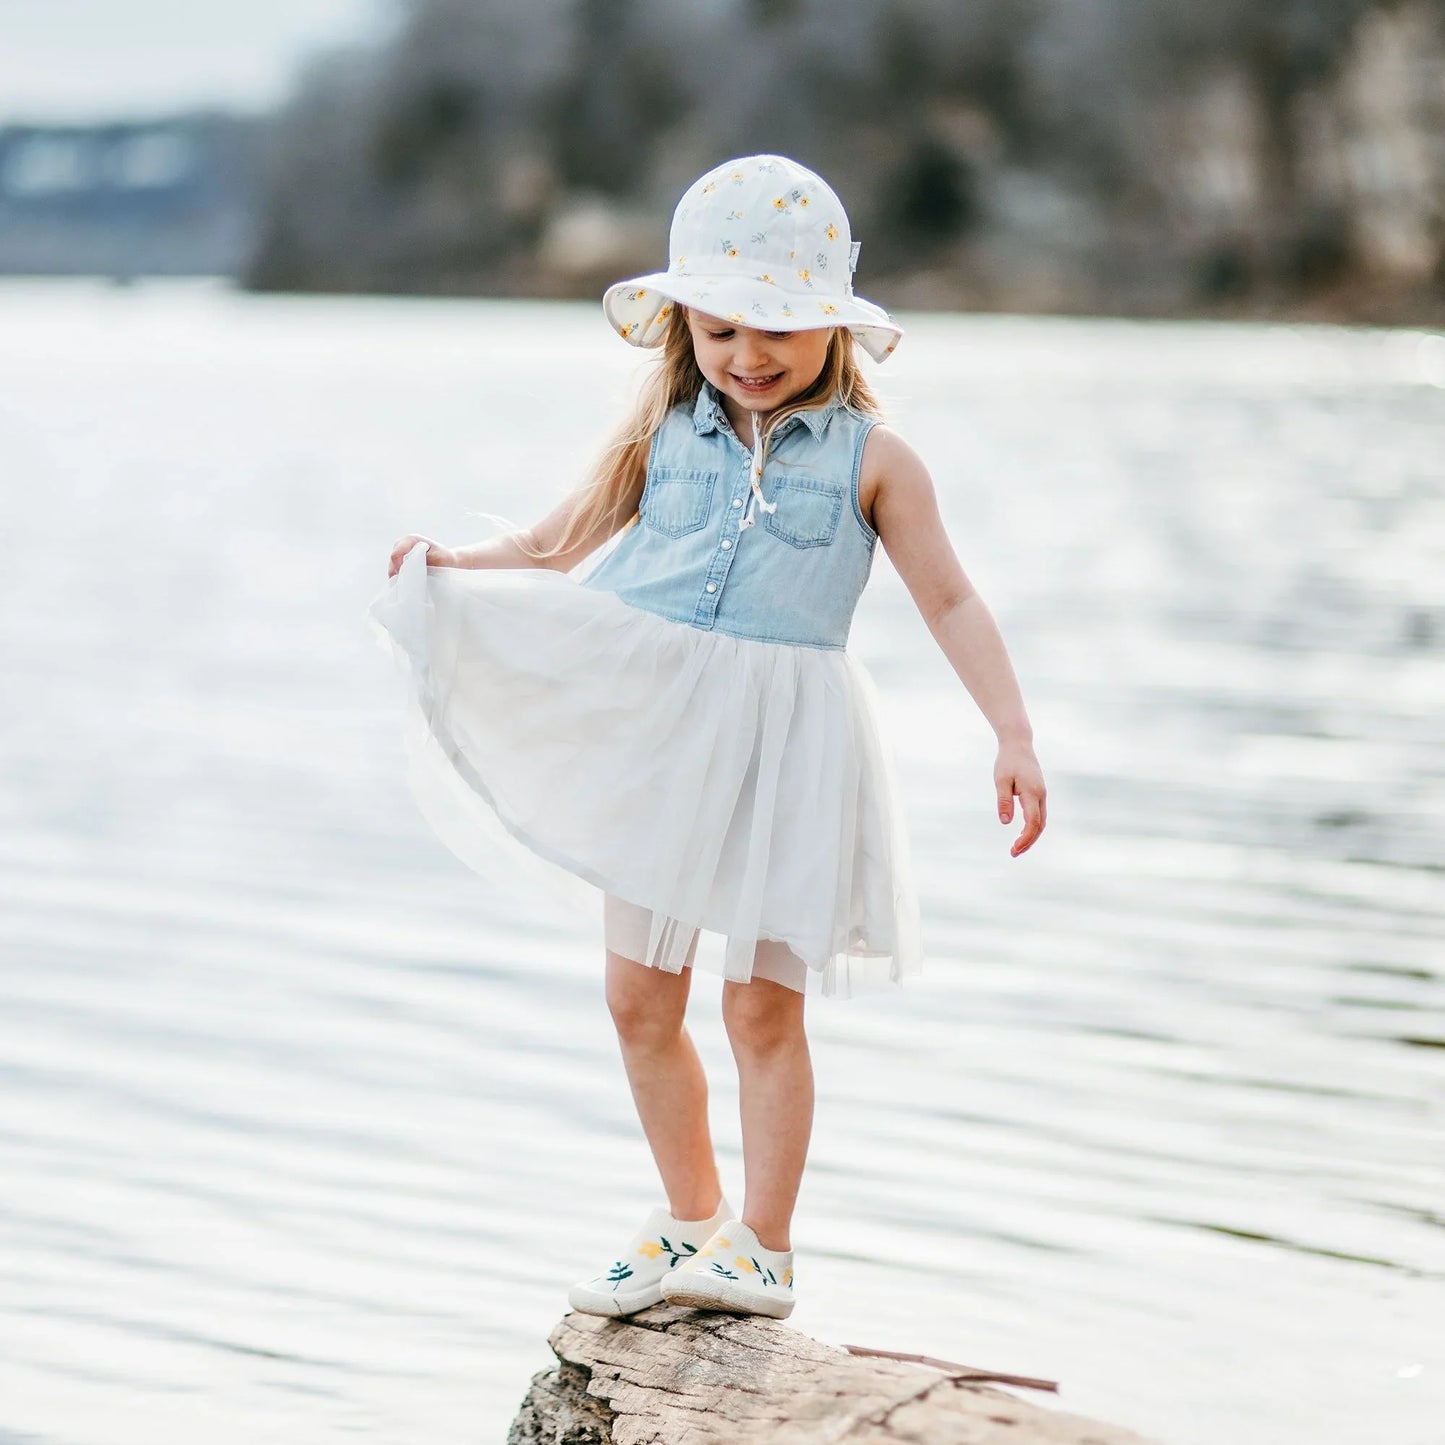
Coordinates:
<point>760,241</point>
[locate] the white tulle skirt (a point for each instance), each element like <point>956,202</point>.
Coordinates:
<point>707,784</point>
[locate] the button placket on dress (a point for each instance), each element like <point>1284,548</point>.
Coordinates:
<point>716,576</point>
<point>717,573</point>
<point>722,562</point>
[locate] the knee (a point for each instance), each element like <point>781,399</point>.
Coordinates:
<point>644,1016</point>
<point>761,1017</point>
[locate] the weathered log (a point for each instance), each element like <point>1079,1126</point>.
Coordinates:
<point>674,1376</point>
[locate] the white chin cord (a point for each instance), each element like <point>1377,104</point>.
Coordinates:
<point>757,496</point>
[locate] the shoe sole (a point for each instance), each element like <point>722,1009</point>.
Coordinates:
<point>593,1302</point>
<point>724,1294</point>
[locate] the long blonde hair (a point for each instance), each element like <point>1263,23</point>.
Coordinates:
<point>619,471</point>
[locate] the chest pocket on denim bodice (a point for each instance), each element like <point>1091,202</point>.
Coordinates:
<point>677,500</point>
<point>808,508</point>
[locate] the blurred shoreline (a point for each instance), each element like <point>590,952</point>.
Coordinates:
<point>1359,311</point>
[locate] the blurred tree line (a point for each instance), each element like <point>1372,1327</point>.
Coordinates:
<point>1074,155</point>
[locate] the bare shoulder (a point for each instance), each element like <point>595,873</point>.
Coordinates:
<point>890,470</point>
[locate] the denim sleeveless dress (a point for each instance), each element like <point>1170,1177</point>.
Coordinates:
<point>679,722</point>
<point>796,579</point>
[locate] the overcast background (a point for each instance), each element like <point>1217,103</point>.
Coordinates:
<point>67,61</point>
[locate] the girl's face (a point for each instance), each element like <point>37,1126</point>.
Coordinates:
<point>755,370</point>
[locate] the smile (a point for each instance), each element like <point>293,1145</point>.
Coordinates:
<point>758,383</point>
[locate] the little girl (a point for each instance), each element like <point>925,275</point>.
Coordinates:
<point>683,726</point>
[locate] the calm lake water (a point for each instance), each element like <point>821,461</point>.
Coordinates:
<point>306,1128</point>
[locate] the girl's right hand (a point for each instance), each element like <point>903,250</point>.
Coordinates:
<point>436,554</point>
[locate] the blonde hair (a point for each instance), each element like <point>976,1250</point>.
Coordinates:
<point>676,379</point>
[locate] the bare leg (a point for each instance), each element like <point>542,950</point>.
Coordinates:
<point>668,1084</point>
<point>775,1084</point>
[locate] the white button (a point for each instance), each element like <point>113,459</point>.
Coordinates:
<point>712,586</point>
<point>726,544</point>
<point>736,503</point>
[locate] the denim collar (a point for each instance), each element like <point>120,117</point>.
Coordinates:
<point>707,413</point>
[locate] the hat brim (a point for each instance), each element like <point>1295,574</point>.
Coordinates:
<point>641,309</point>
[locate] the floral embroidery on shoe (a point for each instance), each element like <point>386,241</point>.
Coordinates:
<point>788,1278</point>
<point>723,1270</point>
<point>765,1276</point>
<point>619,1272</point>
<point>655,1247</point>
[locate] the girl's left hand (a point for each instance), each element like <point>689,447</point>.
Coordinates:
<point>1017,772</point>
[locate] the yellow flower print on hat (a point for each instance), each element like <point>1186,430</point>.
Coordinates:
<point>723,243</point>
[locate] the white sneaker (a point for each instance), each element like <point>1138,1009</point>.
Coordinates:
<point>634,1281</point>
<point>732,1271</point>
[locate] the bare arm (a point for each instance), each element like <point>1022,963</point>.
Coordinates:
<point>504,551</point>
<point>908,523</point>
